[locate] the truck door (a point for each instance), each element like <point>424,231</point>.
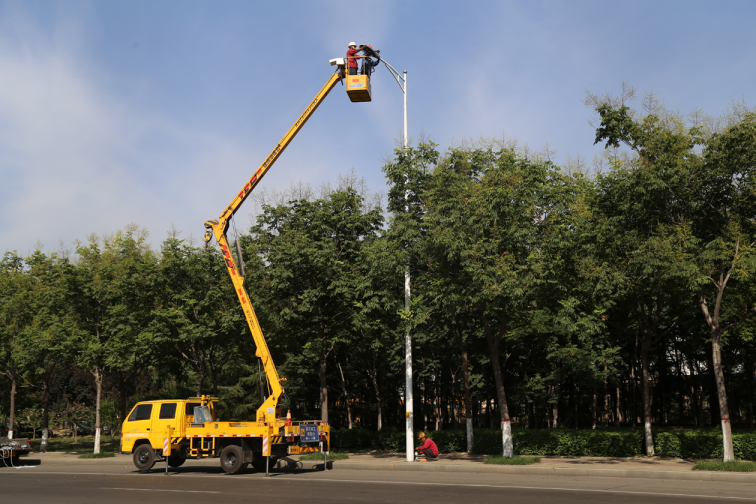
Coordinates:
<point>138,424</point>
<point>165,415</point>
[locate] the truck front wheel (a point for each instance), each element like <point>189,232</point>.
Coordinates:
<point>232,459</point>
<point>144,457</point>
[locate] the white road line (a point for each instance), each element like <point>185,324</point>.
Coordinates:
<point>159,490</point>
<point>657,494</point>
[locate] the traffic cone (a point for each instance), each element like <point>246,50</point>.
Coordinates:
<point>288,418</point>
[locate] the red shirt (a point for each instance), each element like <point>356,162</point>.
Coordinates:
<point>430,444</point>
<point>352,62</point>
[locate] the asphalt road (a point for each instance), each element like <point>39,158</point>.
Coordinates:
<point>115,484</point>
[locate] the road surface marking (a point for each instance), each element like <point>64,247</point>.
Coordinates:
<point>159,490</point>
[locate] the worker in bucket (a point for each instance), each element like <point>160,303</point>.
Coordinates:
<point>368,63</point>
<point>352,58</point>
<point>428,450</point>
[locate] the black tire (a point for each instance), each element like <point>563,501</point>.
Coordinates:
<point>232,459</point>
<point>144,457</point>
<point>175,461</point>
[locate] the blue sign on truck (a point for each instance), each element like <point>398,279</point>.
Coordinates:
<point>308,433</point>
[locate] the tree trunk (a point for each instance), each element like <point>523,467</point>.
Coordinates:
<point>346,397</point>
<point>753,387</point>
<point>617,411</point>
<point>506,425</point>
<point>453,401</point>
<point>122,405</point>
<point>648,436</point>
<point>555,422</point>
<point>323,388</point>
<point>549,415</point>
<point>633,380</point>
<point>439,410</point>
<point>98,400</point>
<point>45,416</point>
<point>466,377</point>
<point>594,413</point>
<point>724,411</point>
<point>200,377</point>
<point>576,403</point>
<point>374,379</point>
<point>12,406</point>
<point>605,415</point>
<point>716,359</point>
<point>489,412</point>
<point>214,378</point>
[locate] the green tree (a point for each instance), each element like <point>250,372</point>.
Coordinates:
<point>312,250</point>
<point>48,344</point>
<point>199,320</point>
<point>111,294</point>
<point>489,210</point>
<point>720,241</point>
<point>17,293</point>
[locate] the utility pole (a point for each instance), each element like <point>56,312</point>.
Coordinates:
<point>402,81</point>
<point>407,294</point>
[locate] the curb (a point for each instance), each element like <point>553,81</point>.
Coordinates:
<point>551,471</point>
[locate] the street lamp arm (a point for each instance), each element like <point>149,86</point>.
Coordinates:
<point>397,76</point>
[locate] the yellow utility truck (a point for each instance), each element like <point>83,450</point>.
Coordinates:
<point>189,429</point>
<point>177,429</point>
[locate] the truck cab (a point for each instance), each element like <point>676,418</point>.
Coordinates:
<point>148,421</point>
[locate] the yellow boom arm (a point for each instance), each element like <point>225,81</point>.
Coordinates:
<point>266,412</point>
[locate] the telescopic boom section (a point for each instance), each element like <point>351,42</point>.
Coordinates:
<point>267,412</point>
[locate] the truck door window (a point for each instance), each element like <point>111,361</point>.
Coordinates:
<point>141,412</point>
<point>168,411</point>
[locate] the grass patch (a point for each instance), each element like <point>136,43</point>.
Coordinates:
<point>97,455</point>
<point>498,459</point>
<point>718,465</point>
<point>319,456</point>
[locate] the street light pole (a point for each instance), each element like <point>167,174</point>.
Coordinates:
<point>410,445</point>
<point>407,294</point>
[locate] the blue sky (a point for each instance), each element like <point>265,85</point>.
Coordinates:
<point>156,112</point>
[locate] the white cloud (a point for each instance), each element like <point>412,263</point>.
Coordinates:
<point>76,158</point>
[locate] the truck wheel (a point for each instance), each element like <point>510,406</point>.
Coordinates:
<point>144,457</point>
<point>232,459</point>
<point>176,461</point>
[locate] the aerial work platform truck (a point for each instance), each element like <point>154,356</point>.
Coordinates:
<point>175,430</point>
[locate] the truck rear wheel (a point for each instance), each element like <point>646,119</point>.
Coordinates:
<point>144,457</point>
<point>232,459</point>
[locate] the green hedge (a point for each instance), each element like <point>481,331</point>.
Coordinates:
<point>696,444</point>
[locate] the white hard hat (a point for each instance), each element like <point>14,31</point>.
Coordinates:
<point>352,44</point>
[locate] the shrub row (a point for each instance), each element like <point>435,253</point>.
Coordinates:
<point>696,444</point>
